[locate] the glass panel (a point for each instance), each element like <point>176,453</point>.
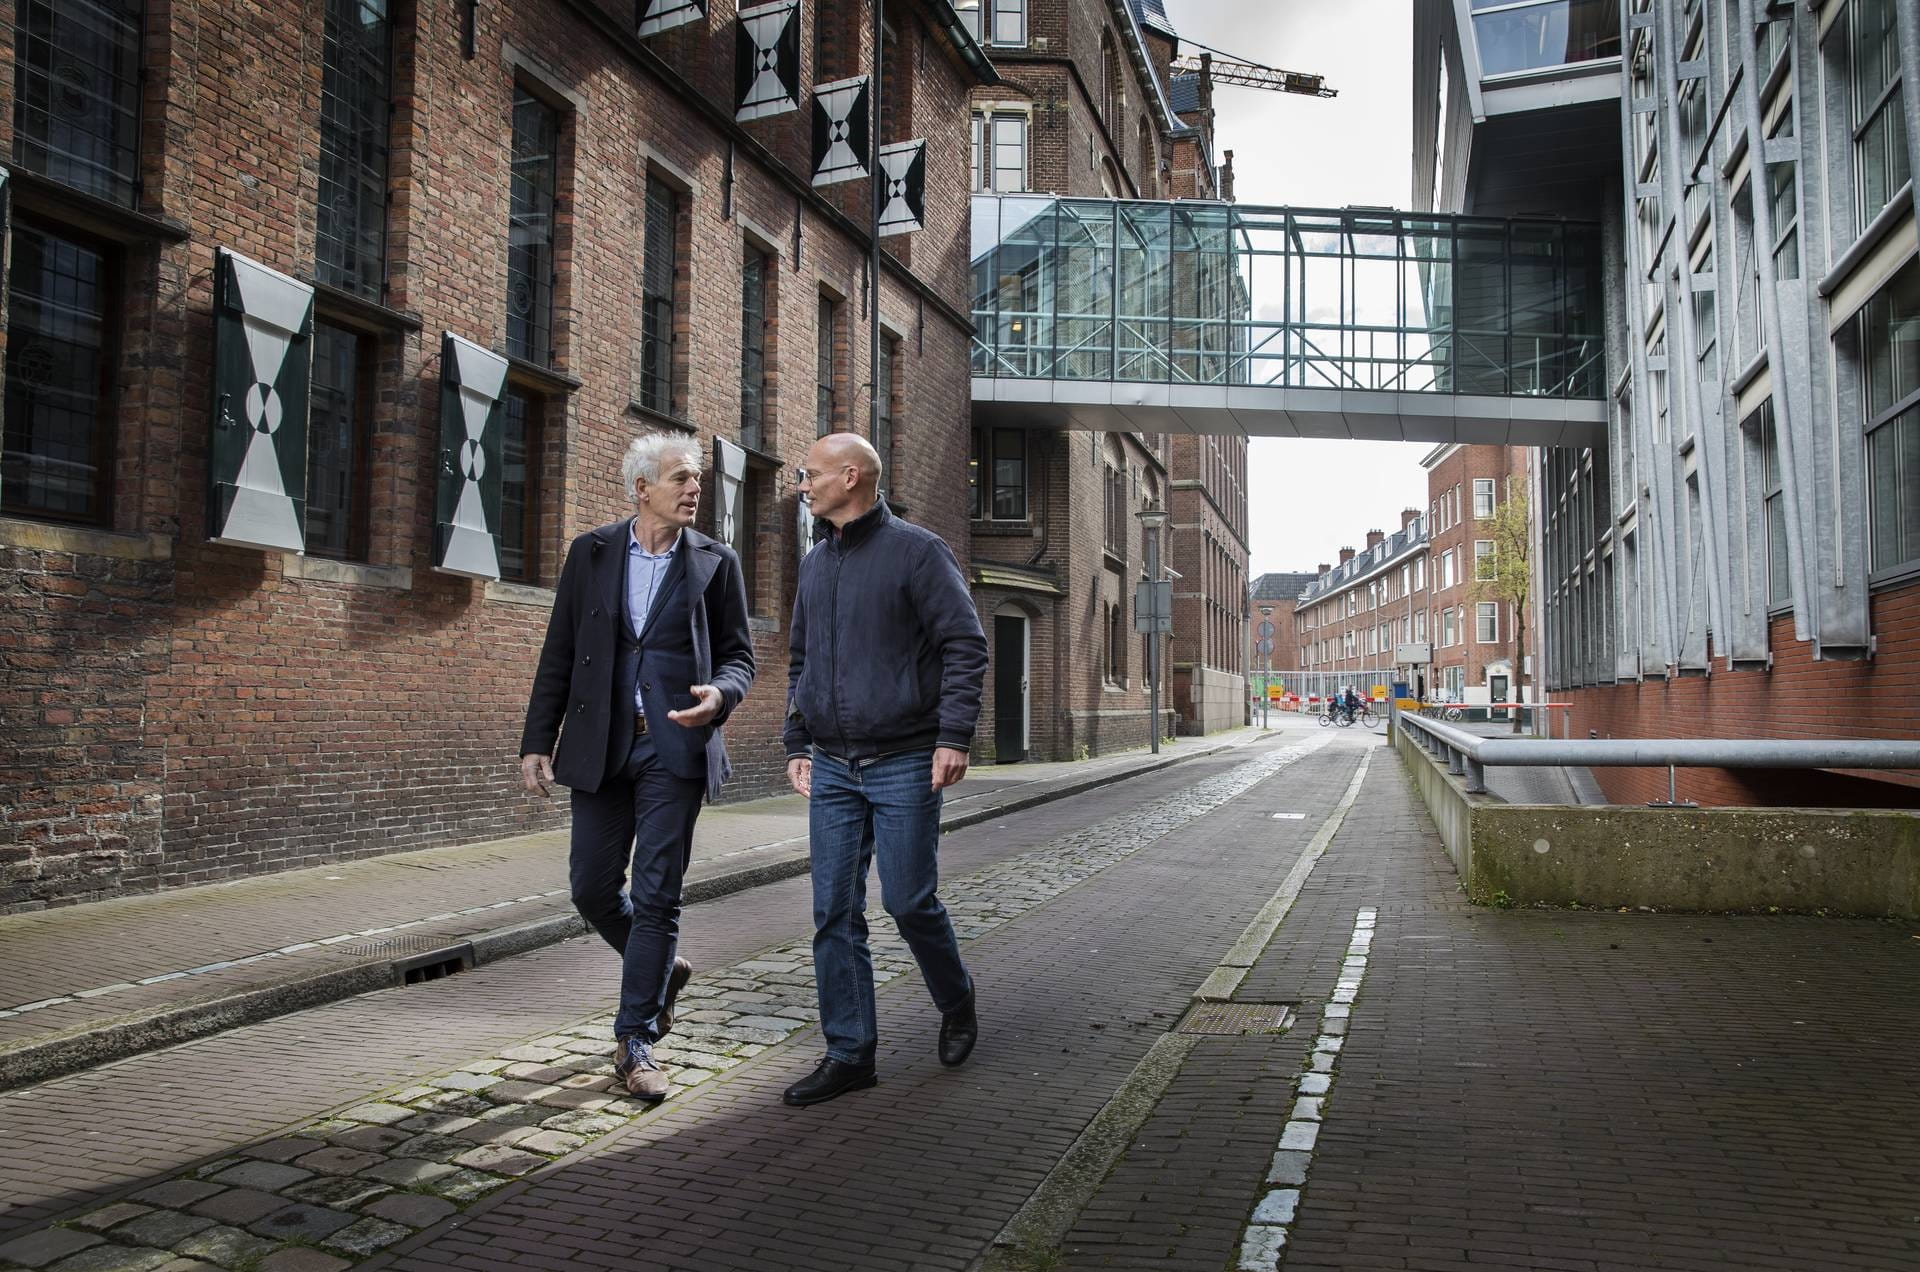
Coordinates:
<point>58,441</point>
<point>753,351</point>
<point>356,88</point>
<point>823,337</point>
<point>1010,21</point>
<point>1083,259</point>
<point>76,106</point>
<point>1009,475</point>
<point>1145,260</point>
<point>1890,342</point>
<point>656,298</point>
<point>517,485</point>
<point>335,432</point>
<point>1552,33</point>
<point>1881,163</point>
<point>536,132</point>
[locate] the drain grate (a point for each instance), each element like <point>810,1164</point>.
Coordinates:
<point>1237,1019</point>
<point>396,946</point>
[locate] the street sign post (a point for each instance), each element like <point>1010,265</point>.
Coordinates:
<point>1153,607</point>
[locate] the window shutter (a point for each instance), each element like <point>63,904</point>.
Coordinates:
<point>766,60</point>
<point>840,131</point>
<point>654,16</point>
<point>262,359</point>
<point>730,468</point>
<point>904,190</point>
<point>473,384</point>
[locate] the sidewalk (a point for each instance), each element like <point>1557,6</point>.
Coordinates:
<point>86,983</point>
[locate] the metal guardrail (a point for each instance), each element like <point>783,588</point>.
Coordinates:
<point>1468,754</point>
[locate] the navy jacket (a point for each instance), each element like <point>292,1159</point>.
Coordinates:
<point>575,683</point>
<point>887,650</point>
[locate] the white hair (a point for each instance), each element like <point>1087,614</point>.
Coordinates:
<point>650,454</point>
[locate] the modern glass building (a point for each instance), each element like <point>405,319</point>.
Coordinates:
<point>1741,555</point>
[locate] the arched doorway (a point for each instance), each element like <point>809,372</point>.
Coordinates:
<point>1012,654</point>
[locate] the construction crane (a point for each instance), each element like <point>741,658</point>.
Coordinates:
<point>1254,75</point>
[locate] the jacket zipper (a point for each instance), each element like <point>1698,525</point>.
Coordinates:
<point>833,682</point>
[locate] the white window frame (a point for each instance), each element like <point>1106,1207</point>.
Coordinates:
<point>1483,497</point>
<point>1483,560</point>
<point>1007,22</point>
<point>1486,623</point>
<point>987,140</point>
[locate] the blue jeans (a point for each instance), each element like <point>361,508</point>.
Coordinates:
<point>884,809</point>
<point>642,815</point>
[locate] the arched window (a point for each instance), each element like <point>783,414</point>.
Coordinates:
<point>1149,178</point>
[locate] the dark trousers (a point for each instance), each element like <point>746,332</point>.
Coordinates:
<point>643,816</point>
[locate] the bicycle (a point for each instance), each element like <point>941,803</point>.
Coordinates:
<point>1337,716</point>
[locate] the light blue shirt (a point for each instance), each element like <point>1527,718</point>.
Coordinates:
<point>646,571</point>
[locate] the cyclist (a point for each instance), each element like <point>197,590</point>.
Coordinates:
<point>1351,701</point>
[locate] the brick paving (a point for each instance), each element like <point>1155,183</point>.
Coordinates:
<point>43,1117</point>
<point>71,968</point>
<point>1528,1089</point>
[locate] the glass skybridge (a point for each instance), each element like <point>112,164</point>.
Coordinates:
<point>1199,317</point>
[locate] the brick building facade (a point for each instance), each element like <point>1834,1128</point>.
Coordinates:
<point>1472,634</point>
<point>1084,109</point>
<point>548,186</point>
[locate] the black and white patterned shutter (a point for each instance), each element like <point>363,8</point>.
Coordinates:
<point>766,60</point>
<point>730,474</point>
<point>650,17</point>
<point>903,190</point>
<point>840,131</point>
<point>473,383</point>
<point>262,361</point>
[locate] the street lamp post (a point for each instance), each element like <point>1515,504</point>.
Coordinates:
<point>1266,651</point>
<point>1155,617</point>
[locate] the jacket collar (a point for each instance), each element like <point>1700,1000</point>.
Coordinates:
<point>699,555</point>
<point>863,527</point>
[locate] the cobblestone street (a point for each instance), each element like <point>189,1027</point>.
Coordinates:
<point>1456,1087</point>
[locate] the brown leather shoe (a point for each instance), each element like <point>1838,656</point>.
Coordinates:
<point>676,981</point>
<point>638,1072</point>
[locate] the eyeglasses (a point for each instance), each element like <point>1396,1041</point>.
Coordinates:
<point>803,476</point>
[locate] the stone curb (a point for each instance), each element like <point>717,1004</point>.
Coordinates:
<point>43,1059</point>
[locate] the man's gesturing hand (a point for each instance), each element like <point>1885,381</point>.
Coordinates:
<point>536,772</point>
<point>949,766</point>
<point>694,717</point>
<point>800,774</point>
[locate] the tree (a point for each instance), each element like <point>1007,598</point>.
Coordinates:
<point>1507,577</point>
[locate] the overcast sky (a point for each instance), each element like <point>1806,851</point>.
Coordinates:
<point>1312,152</point>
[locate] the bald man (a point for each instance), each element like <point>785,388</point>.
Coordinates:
<point>883,693</point>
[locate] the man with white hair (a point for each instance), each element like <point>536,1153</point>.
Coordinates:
<point>647,653</point>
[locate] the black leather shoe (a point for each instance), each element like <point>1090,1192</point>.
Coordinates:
<point>959,1030</point>
<point>834,1078</point>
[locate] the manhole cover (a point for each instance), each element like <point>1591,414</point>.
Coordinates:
<point>1237,1018</point>
<point>396,946</point>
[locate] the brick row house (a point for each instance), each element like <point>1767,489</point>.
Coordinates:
<point>535,204</point>
<point>1416,587</point>
<point>1089,104</point>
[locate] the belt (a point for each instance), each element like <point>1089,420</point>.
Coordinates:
<point>639,724</point>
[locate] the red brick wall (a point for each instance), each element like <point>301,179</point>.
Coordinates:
<point>218,711</point>
<point>1459,471</point>
<point>1798,698</point>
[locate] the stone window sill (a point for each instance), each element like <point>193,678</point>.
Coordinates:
<point>311,569</point>
<point>53,536</point>
<point>520,594</point>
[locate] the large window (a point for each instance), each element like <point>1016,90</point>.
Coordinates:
<point>355,98</point>
<point>1446,627</point>
<point>1482,498</point>
<point>57,460</point>
<point>1773,503</point>
<point>999,152</point>
<point>1889,335</point>
<point>756,277</point>
<point>520,486</point>
<point>1486,629</point>
<point>337,443</point>
<point>826,403</point>
<point>536,173</point>
<point>1526,35</point>
<point>1880,165</point>
<point>1002,22</point>
<point>76,103</point>
<point>998,474</point>
<point>1483,561</point>
<point>656,297</point>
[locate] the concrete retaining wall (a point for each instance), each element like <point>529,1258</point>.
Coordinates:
<point>1845,862</point>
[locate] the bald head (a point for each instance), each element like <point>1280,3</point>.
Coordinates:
<point>843,477</point>
<point>837,450</point>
